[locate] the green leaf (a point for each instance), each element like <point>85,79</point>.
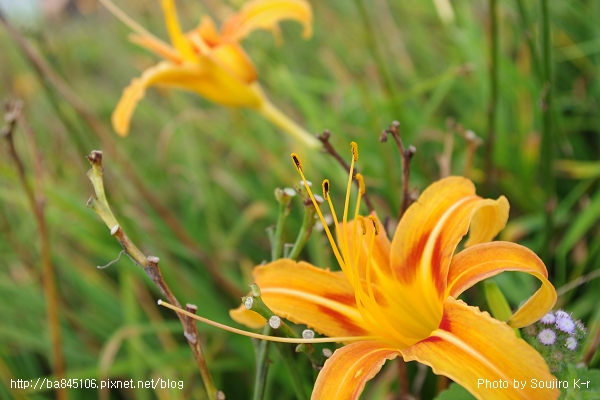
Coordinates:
<point>499,307</point>
<point>581,384</point>
<point>455,392</point>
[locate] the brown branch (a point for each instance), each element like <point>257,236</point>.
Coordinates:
<point>404,387</point>
<point>406,154</point>
<point>191,334</point>
<point>593,348</point>
<point>47,74</point>
<point>324,138</point>
<point>445,159</point>
<point>36,201</point>
<point>149,264</point>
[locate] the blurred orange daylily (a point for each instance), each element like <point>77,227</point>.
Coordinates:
<point>211,63</point>
<point>403,294</point>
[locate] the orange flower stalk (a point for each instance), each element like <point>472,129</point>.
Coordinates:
<point>212,63</point>
<point>401,297</point>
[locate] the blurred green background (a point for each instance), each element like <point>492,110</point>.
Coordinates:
<point>211,171</point>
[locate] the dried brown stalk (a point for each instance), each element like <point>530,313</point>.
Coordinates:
<point>36,201</point>
<point>46,73</point>
<point>149,264</point>
<point>406,154</point>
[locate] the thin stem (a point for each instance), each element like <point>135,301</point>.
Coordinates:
<point>526,26</point>
<point>47,74</point>
<point>277,249</point>
<point>292,368</point>
<point>191,334</point>
<point>281,120</point>
<point>494,94</point>
<point>595,342</point>
<point>406,155</point>
<point>127,20</point>
<point>36,201</point>
<point>473,143</point>
<point>445,159</point>
<point>99,204</point>
<point>578,282</point>
<point>284,197</point>
<point>308,222</point>
<point>324,138</point>
<point>548,139</point>
<point>403,379</point>
<point>262,365</point>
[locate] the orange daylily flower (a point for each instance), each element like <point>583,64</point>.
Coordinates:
<point>404,295</point>
<point>211,63</point>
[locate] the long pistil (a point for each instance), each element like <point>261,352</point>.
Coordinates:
<point>340,339</point>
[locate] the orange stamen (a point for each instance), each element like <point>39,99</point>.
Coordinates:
<point>365,299</point>
<point>336,252</point>
<point>344,238</point>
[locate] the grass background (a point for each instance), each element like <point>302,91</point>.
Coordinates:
<point>214,171</point>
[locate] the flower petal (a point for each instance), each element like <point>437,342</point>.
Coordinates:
<point>265,14</point>
<point>485,349</point>
<point>178,39</point>
<point>429,232</point>
<point>208,31</point>
<point>243,316</point>
<point>158,47</point>
<point>204,77</point>
<point>345,374</point>
<point>304,294</point>
<point>488,259</point>
<point>234,59</point>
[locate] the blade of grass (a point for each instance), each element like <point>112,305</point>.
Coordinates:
<point>548,139</point>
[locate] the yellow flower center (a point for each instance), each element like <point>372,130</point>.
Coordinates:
<point>379,319</point>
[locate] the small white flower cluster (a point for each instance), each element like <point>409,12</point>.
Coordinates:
<point>556,336</point>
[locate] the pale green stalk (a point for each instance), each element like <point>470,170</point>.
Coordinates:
<point>281,120</point>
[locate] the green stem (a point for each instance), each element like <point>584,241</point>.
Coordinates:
<point>277,238</point>
<point>99,204</point>
<point>526,26</point>
<point>308,222</point>
<point>262,366</point>
<point>493,106</point>
<point>292,369</point>
<point>279,119</point>
<point>547,156</point>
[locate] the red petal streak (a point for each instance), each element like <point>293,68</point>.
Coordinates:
<point>429,232</point>
<point>321,299</point>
